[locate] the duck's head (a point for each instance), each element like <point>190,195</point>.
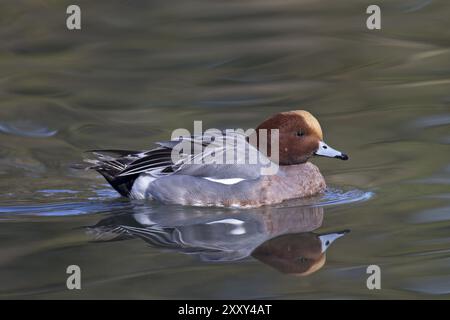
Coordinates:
<point>300,137</point>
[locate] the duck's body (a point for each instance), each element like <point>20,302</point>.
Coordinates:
<point>290,182</point>
<point>155,175</point>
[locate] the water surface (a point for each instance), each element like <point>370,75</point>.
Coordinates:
<point>137,70</point>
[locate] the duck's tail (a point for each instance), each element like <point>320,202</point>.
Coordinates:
<point>110,163</point>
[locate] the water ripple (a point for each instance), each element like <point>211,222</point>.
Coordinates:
<point>64,209</point>
<point>105,202</point>
<point>26,129</point>
<point>331,197</point>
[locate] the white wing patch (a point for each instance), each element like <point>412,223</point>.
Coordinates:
<point>228,181</point>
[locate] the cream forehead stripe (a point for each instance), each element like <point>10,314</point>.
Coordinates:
<point>310,120</point>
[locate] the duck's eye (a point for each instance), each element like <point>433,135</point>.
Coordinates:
<point>301,259</point>
<point>300,133</point>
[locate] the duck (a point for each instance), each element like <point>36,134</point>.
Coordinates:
<point>188,179</point>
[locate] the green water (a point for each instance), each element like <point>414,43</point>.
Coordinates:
<point>137,70</point>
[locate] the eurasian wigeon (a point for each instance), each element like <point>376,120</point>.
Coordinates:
<point>155,175</point>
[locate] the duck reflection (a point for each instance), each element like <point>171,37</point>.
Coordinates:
<point>300,254</point>
<point>279,237</point>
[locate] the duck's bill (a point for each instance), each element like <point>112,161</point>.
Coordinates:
<point>328,238</point>
<point>325,150</point>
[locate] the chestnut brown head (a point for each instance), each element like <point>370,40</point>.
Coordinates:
<point>300,137</point>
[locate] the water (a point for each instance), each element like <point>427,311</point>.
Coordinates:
<point>138,70</point>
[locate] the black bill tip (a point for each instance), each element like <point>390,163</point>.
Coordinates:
<point>343,156</point>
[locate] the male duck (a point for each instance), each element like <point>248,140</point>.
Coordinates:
<point>155,175</point>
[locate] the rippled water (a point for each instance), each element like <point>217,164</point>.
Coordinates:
<point>137,70</point>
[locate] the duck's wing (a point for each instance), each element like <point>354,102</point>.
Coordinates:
<point>121,167</point>
<point>125,161</point>
<point>223,156</point>
<point>229,156</point>
<point>193,156</point>
<point>153,162</point>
